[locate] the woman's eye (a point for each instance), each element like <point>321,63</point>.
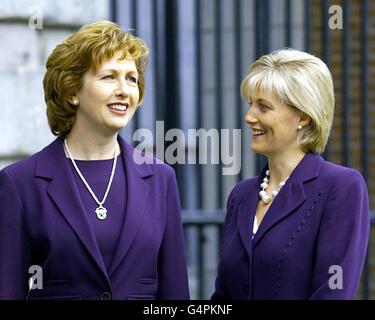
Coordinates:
<point>110,76</point>
<point>263,107</point>
<point>132,79</point>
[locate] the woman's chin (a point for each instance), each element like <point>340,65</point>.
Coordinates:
<point>256,148</point>
<point>119,124</point>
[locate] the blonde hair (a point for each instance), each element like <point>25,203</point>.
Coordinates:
<point>300,80</point>
<point>84,50</point>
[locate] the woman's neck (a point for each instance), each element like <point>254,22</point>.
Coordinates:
<point>281,166</point>
<point>91,146</point>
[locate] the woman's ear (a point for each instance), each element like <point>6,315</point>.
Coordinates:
<point>73,100</point>
<point>304,119</point>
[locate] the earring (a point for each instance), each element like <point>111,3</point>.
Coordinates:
<point>299,127</point>
<point>75,102</point>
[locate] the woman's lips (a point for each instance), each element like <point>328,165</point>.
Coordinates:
<point>118,108</point>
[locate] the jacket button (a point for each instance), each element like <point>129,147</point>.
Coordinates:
<point>106,296</point>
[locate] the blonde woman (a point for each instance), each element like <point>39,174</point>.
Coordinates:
<point>298,230</point>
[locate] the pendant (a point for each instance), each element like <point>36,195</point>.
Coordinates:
<point>101,212</point>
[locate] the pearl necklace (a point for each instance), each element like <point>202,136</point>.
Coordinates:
<point>264,185</point>
<point>101,212</point>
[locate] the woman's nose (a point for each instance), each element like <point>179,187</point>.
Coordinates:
<point>122,90</point>
<point>250,117</point>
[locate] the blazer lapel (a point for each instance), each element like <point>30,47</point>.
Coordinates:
<point>52,164</point>
<point>291,196</point>
<point>137,198</point>
<point>246,213</point>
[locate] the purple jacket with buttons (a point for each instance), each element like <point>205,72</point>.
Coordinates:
<point>42,222</point>
<point>311,243</point>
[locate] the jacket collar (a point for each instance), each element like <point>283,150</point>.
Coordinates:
<point>54,154</point>
<point>53,164</point>
<point>291,196</point>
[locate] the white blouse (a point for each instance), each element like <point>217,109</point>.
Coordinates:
<point>255,226</point>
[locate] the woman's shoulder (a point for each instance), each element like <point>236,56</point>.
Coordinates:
<point>246,183</point>
<point>19,174</point>
<point>26,167</point>
<point>242,188</point>
<point>161,168</point>
<point>148,162</point>
<point>22,168</point>
<point>333,173</point>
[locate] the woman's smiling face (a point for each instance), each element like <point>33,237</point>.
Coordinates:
<point>274,124</point>
<point>109,96</point>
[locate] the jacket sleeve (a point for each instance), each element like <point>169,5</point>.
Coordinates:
<point>14,247</point>
<point>173,279</point>
<point>221,291</point>
<point>343,239</point>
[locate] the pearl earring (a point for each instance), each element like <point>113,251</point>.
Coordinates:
<point>75,102</point>
<point>299,127</point>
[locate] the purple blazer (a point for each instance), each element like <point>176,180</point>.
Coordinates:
<point>42,222</point>
<point>319,220</point>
